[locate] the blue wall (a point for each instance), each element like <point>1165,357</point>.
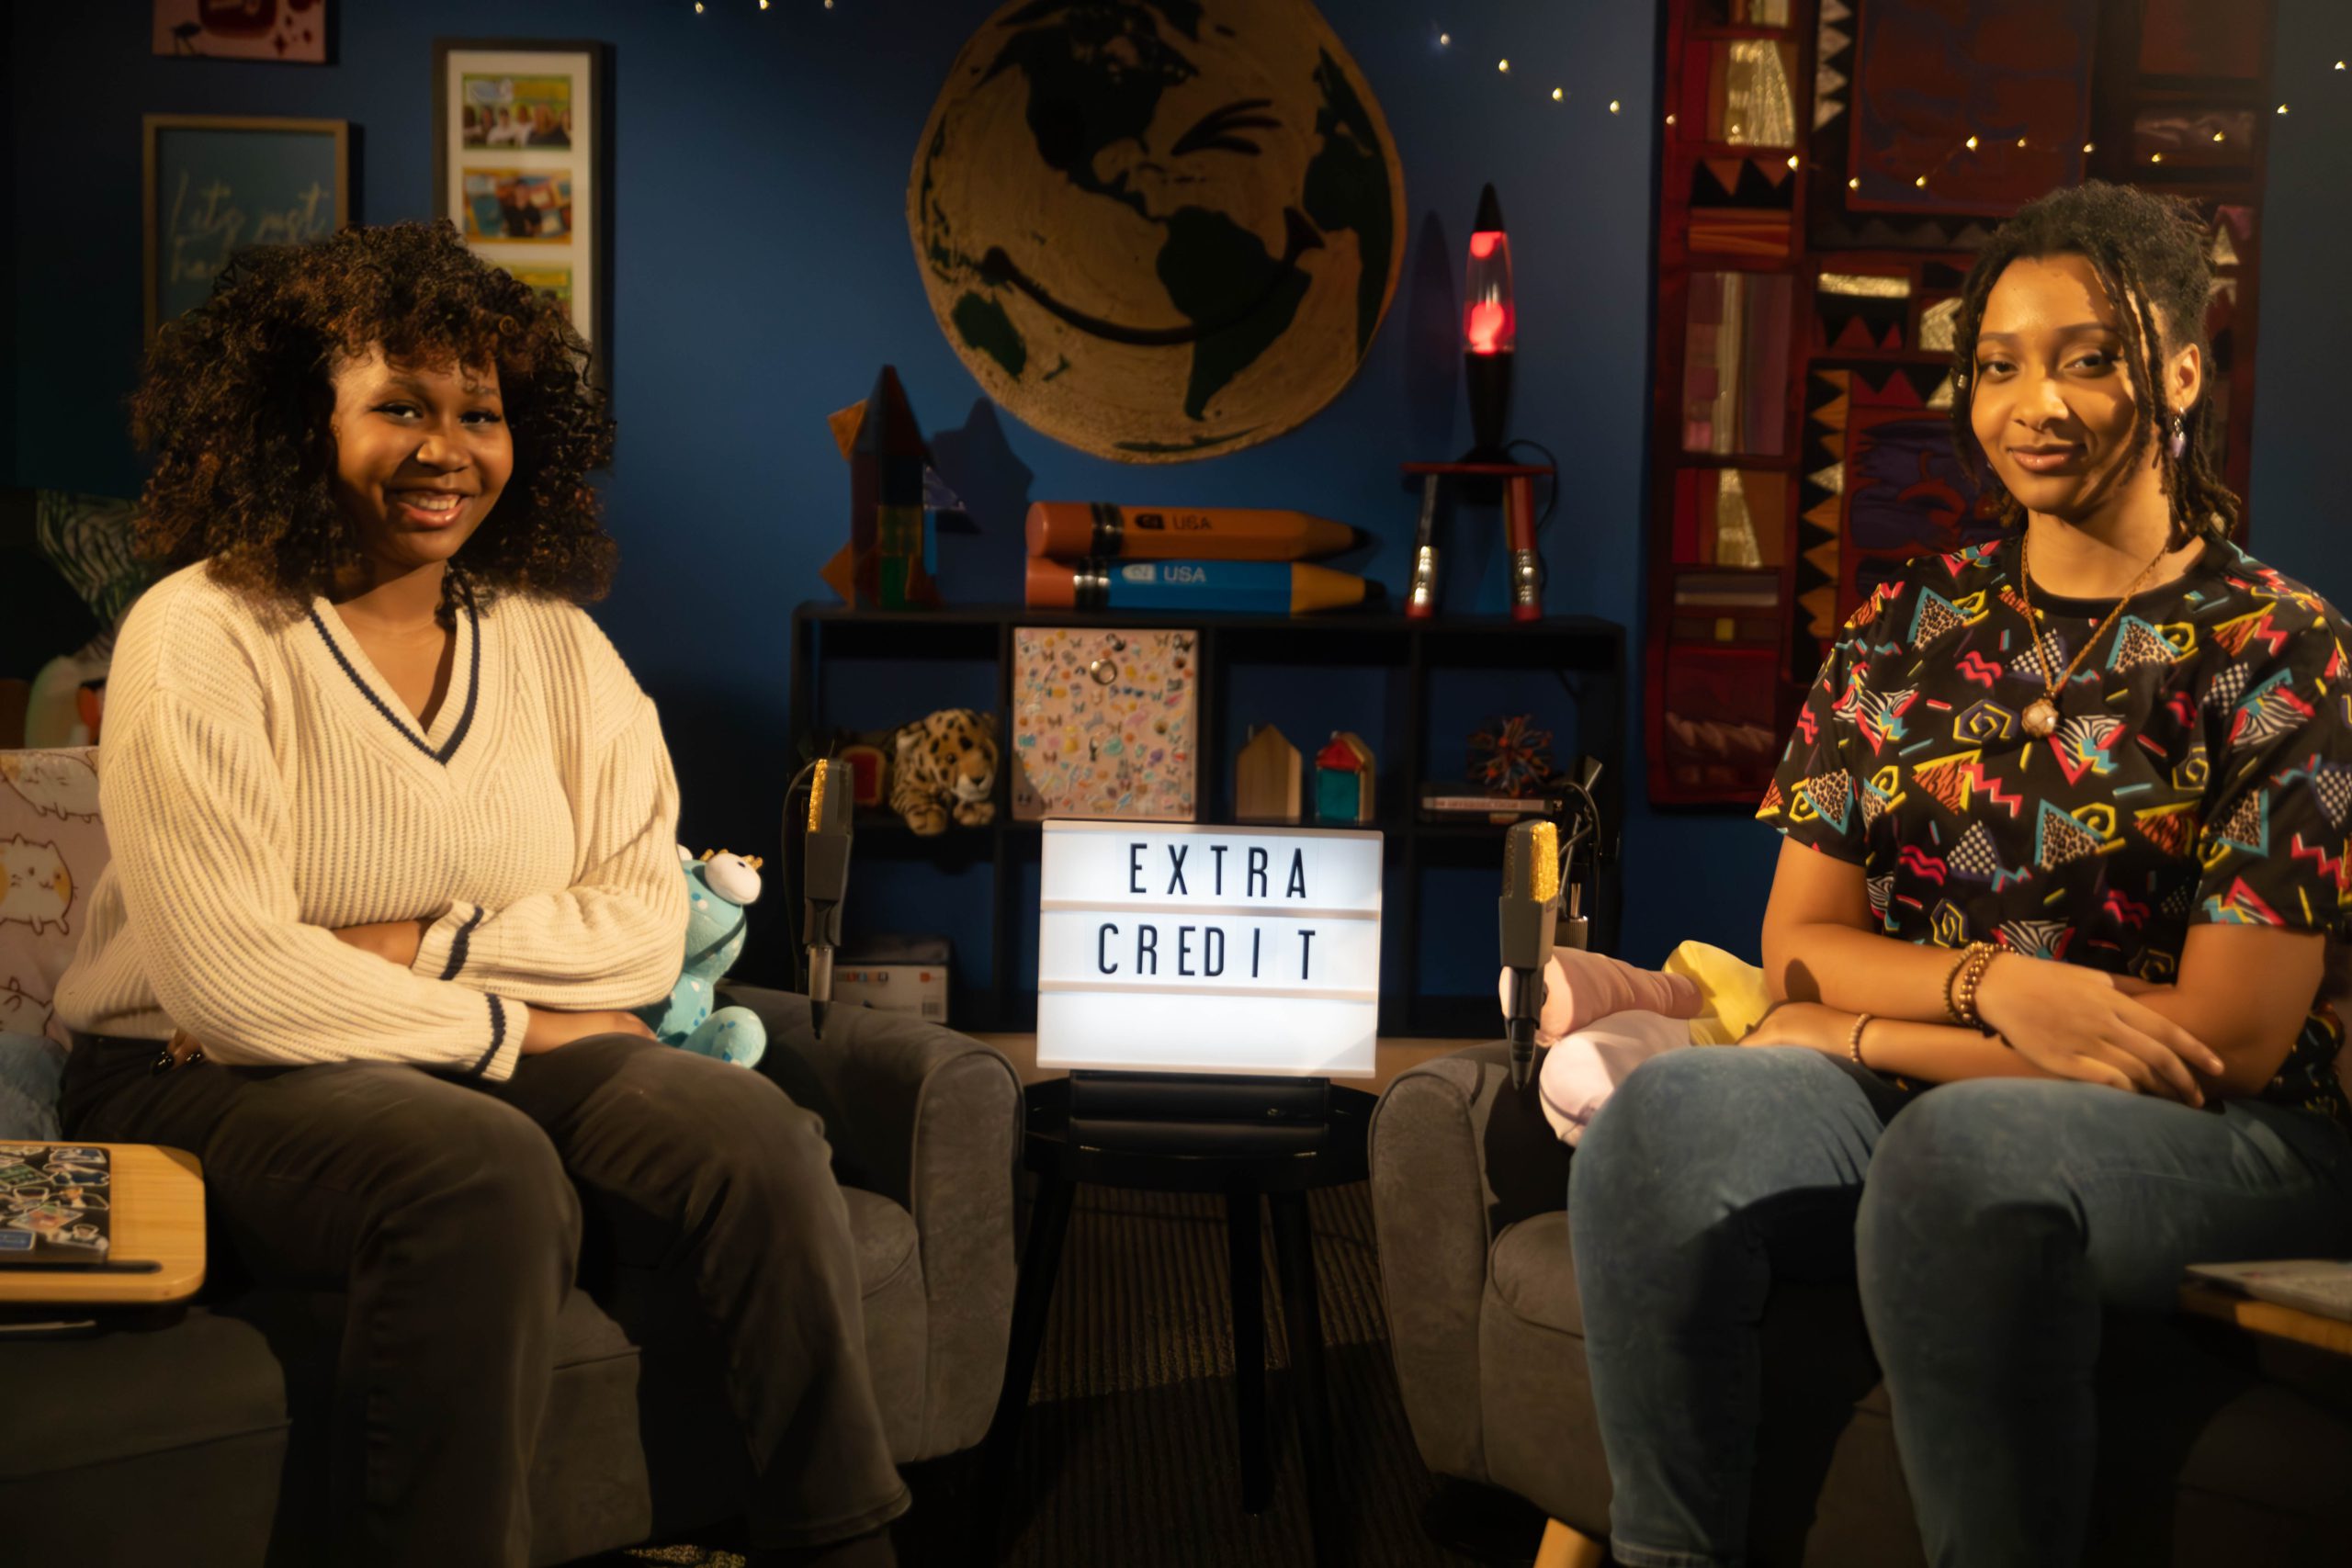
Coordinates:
<point>762,272</point>
<point>2301,364</point>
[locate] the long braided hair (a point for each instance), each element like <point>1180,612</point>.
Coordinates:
<point>2149,254</point>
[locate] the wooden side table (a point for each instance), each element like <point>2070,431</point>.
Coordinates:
<point>157,1207</point>
<point>2268,1317</point>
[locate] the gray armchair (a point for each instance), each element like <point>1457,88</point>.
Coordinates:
<point>925,1125</point>
<point>181,1437</point>
<point>2216,1445</point>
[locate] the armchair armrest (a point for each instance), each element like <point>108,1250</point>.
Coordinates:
<point>881,1080</point>
<point>930,1119</point>
<point>1456,1156</point>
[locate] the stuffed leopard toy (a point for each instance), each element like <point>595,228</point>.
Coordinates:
<point>945,766</point>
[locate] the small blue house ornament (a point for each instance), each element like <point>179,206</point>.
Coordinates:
<point>1343,778</point>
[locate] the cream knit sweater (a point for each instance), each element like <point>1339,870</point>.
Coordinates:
<point>261,786</point>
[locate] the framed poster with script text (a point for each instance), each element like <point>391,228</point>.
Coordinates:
<point>1166,947</point>
<point>215,184</point>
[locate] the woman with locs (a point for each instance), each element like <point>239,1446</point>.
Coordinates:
<point>2065,823</point>
<point>394,852</point>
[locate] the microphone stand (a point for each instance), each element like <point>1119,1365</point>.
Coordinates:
<point>1537,867</point>
<point>824,878</point>
<point>1575,927</point>
<point>1528,914</point>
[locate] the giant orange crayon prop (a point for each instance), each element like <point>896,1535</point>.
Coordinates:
<point>1072,530</point>
<point>1279,588</point>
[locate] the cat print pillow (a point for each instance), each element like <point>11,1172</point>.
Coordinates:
<point>52,847</point>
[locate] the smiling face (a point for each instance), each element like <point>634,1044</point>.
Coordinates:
<point>2051,398</point>
<point>421,457</point>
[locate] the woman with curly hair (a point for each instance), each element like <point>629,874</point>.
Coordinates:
<point>394,840</point>
<point>2065,818</point>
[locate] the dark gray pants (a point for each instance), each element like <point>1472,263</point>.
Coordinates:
<point>454,1214</point>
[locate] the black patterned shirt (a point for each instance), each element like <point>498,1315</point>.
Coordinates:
<point>2202,770</point>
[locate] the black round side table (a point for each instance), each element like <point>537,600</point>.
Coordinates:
<point>1279,1165</point>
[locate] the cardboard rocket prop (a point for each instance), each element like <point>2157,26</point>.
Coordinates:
<point>892,559</point>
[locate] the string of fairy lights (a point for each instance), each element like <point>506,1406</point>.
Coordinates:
<point>1560,95</point>
<point>1973,144</point>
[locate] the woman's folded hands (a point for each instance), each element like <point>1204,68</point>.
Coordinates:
<point>2076,1022</point>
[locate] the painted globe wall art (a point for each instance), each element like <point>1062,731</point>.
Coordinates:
<point>1158,230</point>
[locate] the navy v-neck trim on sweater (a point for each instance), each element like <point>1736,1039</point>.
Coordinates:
<point>408,732</point>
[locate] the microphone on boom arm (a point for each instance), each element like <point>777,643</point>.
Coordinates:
<point>1528,912</point>
<point>1535,866</point>
<point>823,880</point>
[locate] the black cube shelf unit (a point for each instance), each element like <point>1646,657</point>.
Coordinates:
<point>1587,653</point>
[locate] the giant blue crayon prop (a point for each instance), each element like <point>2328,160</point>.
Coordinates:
<point>1274,588</point>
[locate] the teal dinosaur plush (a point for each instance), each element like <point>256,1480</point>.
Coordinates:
<point>719,887</point>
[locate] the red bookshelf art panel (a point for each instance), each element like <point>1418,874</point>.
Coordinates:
<point>2203,37</point>
<point>2011,76</point>
<point>1809,290</point>
<point>1710,740</point>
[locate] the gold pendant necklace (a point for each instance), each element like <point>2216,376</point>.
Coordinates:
<point>2041,715</point>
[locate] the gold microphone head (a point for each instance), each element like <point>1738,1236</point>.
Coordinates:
<point>816,796</point>
<point>1546,846</point>
<point>1546,843</point>
<point>1531,862</point>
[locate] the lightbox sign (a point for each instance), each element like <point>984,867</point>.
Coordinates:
<point>1175,948</point>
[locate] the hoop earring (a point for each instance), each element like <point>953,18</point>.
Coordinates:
<point>2179,441</point>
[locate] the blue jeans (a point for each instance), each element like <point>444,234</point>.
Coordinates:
<point>1988,1224</point>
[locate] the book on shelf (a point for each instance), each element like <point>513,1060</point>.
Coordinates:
<point>2321,1285</point>
<point>1473,803</point>
<point>1728,589</point>
<point>1721,602</point>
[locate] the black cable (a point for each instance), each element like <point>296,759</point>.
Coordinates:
<point>1588,834</point>
<point>791,926</point>
<point>1590,829</point>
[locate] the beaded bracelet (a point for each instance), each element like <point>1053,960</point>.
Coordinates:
<point>1951,1007</point>
<point>1980,958</point>
<point>1854,1041</point>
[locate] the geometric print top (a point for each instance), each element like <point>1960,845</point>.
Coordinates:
<point>2202,770</point>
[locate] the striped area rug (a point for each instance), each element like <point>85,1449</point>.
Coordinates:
<point>1130,1454</point>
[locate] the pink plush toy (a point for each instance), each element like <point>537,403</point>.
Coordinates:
<point>1581,988</point>
<point>1602,1018</point>
<point>1584,1069</point>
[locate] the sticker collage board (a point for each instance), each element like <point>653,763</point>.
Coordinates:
<point>55,1203</point>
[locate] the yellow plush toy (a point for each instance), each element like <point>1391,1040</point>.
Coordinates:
<point>1732,988</point>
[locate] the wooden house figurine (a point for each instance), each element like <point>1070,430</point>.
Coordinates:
<point>1343,774</point>
<point>1266,778</point>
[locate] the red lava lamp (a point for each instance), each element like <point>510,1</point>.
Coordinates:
<point>1490,344</point>
<point>1489,331</point>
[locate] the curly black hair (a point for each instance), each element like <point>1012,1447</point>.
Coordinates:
<point>2149,253</point>
<point>237,397</point>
